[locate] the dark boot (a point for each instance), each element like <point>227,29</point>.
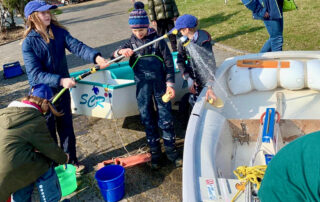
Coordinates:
<point>155,157</point>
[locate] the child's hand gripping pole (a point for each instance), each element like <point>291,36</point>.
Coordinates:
<point>96,68</point>
<point>78,78</point>
<point>147,44</point>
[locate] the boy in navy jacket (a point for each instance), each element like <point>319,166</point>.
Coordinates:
<point>198,77</point>
<point>154,76</point>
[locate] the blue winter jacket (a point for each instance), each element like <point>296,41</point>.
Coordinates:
<point>274,8</point>
<point>47,63</point>
<point>260,7</point>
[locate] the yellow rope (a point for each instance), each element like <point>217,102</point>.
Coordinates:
<point>249,174</point>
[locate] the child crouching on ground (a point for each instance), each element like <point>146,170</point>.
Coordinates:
<point>154,76</point>
<point>187,26</point>
<point>27,149</point>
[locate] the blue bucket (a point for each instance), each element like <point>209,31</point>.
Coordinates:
<point>111,182</point>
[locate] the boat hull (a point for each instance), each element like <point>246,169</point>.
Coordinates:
<point>213,147</point>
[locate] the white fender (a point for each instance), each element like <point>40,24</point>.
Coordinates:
<point>292,78</point>
<point>264,79</point>
<point>239,80</point>
<point>313,74</point>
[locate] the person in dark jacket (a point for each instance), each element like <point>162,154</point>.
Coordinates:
<point>154,76</point>
<point>27,149</point>
<point>271,12</point>
<point>163,14</point>
<point>198,72</point>
<point>43,49</point>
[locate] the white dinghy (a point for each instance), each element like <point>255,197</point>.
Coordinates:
<point>265,106</point>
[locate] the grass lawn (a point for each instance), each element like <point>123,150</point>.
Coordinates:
<point>232,24</point>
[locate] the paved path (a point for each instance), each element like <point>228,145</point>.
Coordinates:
<point>104,25</point>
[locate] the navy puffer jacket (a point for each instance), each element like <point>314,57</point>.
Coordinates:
<point>47,63</point>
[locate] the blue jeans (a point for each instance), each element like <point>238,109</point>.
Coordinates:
<point>48,187</point>
<point>275,41</point>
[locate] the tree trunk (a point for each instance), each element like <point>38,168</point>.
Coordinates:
<point>12,23</point>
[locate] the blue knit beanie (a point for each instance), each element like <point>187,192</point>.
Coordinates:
<point>138,17</point>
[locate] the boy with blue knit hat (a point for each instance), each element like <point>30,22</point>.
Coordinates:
<point>27,150</point>
<point>154,76</point>
<point>192,70</point>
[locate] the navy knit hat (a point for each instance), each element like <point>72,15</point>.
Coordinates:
<point>138,17</point>
<point>42,91</point>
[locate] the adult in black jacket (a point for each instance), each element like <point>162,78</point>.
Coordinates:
<point>163,14</point>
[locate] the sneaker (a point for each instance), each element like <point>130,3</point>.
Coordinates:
<point>178,162</point>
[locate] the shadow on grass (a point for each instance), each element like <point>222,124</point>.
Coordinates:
<point>238,33</point>
<point>215,19</point>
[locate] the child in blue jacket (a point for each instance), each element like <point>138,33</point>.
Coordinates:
<point>154,76</point>
<point>43,49</point>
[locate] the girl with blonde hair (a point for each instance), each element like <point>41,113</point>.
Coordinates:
<point>43,49</point>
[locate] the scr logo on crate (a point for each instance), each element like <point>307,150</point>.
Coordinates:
<point>92,100</point>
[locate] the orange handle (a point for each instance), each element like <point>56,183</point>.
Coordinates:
<point>262,64</point>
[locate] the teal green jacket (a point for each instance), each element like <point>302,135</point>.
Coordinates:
<point>23,131</point>
<point>294,173</point>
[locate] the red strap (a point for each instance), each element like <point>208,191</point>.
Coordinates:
<point>33,104</point>
<point>264,113</point>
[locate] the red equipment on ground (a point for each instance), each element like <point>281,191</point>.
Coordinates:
<point>127,162</point>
